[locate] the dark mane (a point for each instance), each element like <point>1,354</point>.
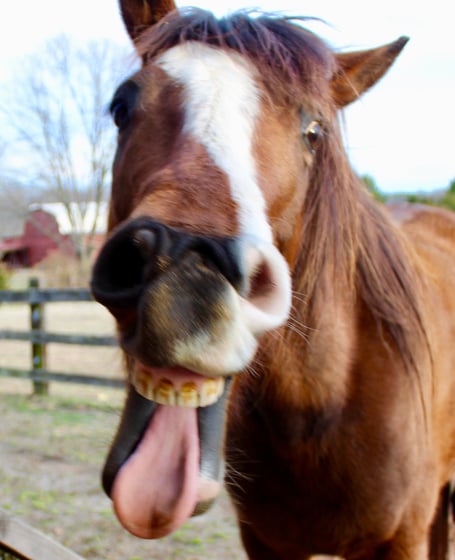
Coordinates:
<point>287,53</point>
<point>347,242</point>
<point>351,248</point>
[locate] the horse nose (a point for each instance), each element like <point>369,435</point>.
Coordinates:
<point>143,249</point>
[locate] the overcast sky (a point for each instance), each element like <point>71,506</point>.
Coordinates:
<point>402,132</point>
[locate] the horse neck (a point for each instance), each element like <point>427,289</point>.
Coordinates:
<point>355,284</point>
<point>306,364</point>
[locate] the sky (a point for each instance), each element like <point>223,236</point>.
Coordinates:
<point>402,132</point>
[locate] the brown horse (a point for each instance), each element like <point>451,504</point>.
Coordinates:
<point>243,247</point>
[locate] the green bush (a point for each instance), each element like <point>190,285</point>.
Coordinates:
<point>5,276</point>
<point>447,200</point>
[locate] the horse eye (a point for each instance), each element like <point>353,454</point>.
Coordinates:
<point>120,113</point>
<point>313,134</point>
<point>123,103</point>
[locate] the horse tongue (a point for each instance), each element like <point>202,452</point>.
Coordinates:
<point>156,490</point>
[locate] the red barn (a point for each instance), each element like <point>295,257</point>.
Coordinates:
<point>41,237</point>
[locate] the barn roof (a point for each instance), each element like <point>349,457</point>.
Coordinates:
<point>83,216</point>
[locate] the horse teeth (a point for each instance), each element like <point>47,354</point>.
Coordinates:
<point>211,391</point>
<point>165,393</point>
<point>144,386</point>
<point>188,396</point>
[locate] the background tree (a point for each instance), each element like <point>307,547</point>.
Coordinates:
<point>59,134</point>
<point>448,200</point>
<point>371,185</point>
<point>15,200</point>
<point>439,197</point>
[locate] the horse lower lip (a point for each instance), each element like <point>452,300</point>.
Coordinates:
<point>211,422</point>
<point>137,413</point>
<point>208,491</point>
<point>136,416</point>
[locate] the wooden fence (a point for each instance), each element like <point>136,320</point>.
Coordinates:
<point>37,298</point>
<point>19,541</point>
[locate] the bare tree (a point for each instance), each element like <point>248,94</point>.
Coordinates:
<point>57,115</point>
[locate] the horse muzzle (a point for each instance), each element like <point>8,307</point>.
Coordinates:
<point>189,311</point>
<point>183,300</point>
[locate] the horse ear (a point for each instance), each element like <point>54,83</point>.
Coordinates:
<point>358,71</point>
<point>139,14</point>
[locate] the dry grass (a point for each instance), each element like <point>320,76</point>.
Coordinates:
<point>68,318</point>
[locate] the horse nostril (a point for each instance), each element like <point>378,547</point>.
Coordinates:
<point>117,278</point>
<point>268,294</point>
<point>260,282</point>
<point>145,240</point>
<point>222,256</point>
<point>143,249</point>
<point>259,276</point>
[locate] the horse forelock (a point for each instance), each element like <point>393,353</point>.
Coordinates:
<point>286,54</point>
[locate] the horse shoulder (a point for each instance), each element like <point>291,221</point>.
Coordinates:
<point>431,234</point>
<point>426,225</point>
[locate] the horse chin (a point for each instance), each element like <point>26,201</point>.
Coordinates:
<point>164,464</point>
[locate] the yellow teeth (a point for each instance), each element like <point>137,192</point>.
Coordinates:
<point>144,387</point>
<point>187,395</point>
<point>164,393</point>
<point>210,390</point>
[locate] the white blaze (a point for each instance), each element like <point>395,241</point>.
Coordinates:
<point>221,110</point>
<point>222,104</point>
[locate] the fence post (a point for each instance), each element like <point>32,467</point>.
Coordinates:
<point>38,348</point>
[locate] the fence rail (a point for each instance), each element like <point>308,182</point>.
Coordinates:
<point>41,337</point>
<point>38,337</point>
<point>43,295</point>
<point>19,541</point>
<point>45,376</point>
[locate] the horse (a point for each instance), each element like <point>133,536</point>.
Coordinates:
<point>280,327</point>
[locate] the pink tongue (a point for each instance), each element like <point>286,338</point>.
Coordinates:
<point>156,490</point>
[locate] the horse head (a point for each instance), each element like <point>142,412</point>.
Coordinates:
<point>220,135</point>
